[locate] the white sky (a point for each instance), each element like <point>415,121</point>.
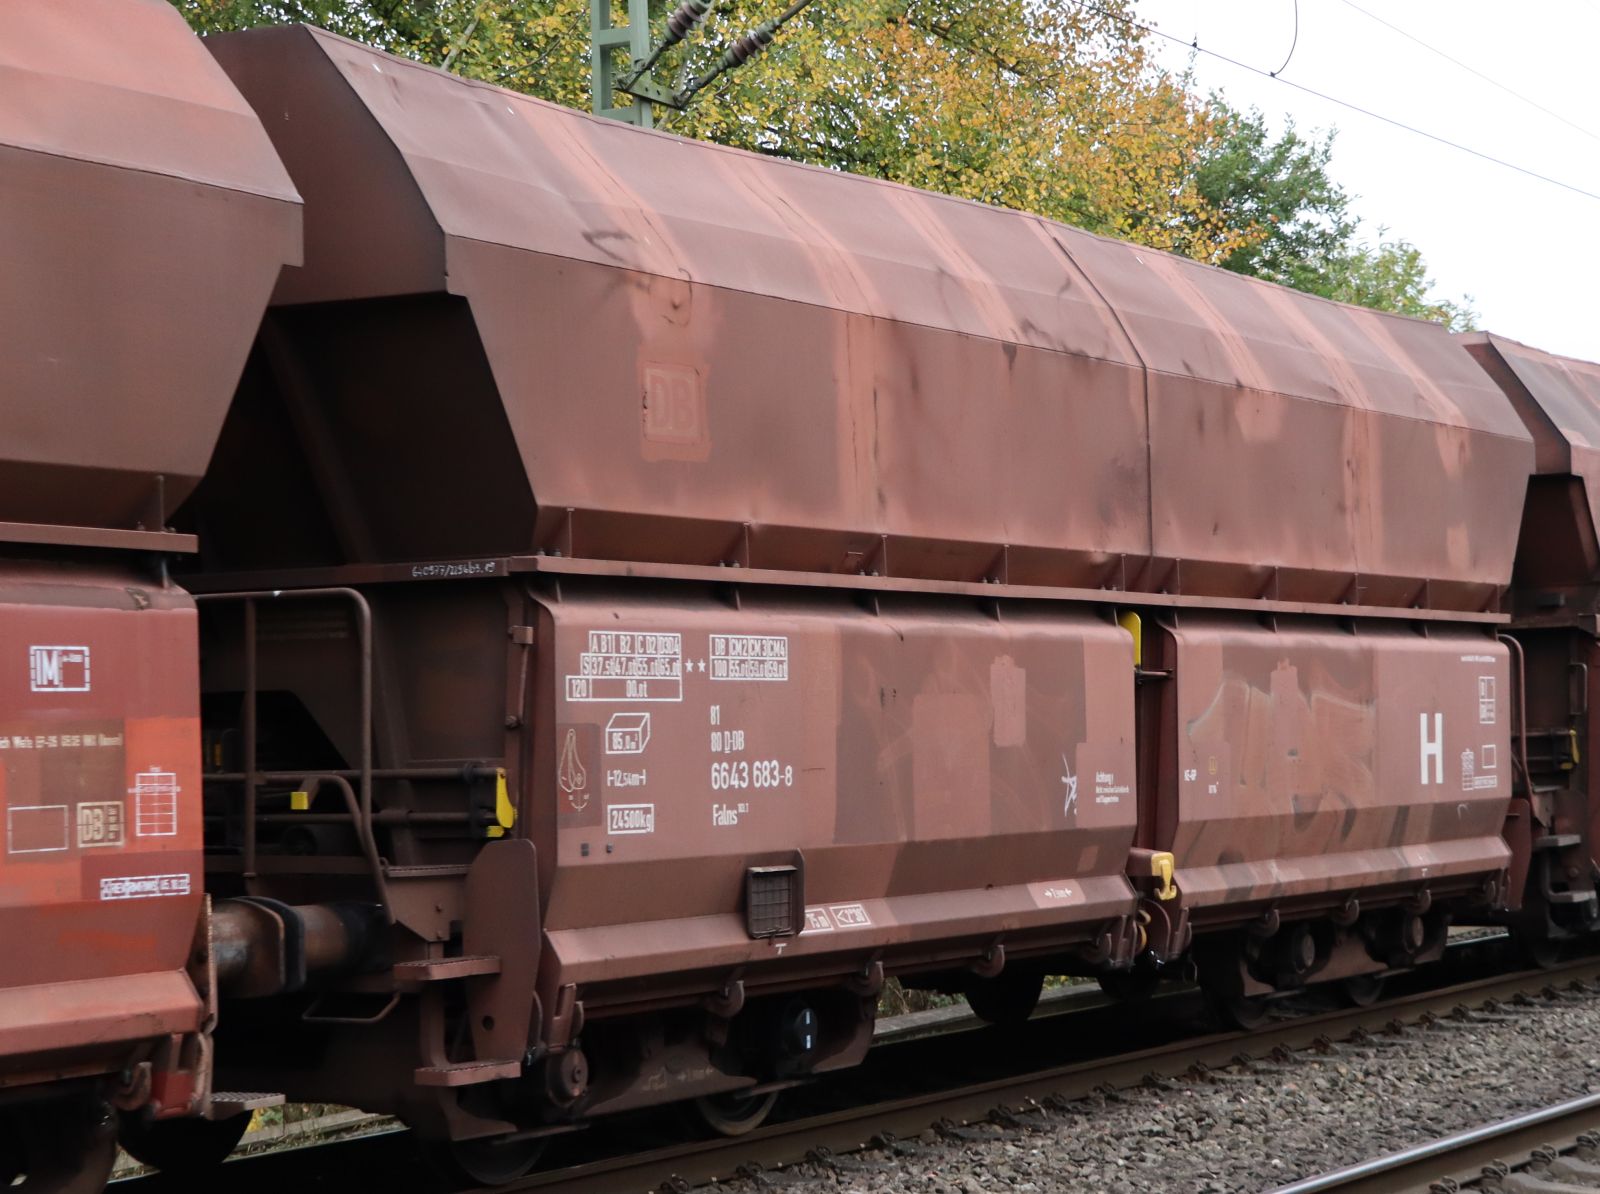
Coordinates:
<point>1526,251</point>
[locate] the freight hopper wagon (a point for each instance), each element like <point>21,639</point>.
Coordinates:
<point>1553,826</point>
<point>143,220</point>
<point>672,590</point>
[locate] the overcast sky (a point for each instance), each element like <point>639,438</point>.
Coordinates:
<point>1526,251</point>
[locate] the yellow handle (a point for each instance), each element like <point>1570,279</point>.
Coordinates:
<point>505,813</point>
<point>1162,867</point>
<point>1132,623</point>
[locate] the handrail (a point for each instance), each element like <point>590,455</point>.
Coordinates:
<point>361,807</point>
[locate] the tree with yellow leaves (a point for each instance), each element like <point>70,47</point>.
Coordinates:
<point>1044,105</point>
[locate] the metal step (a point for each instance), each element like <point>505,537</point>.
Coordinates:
<point>467,1073</point>
<point>1556,841</point>
<point>225,1104</point>
<point>446,870</point>
<point>1569,897</point>
<point>438,970</point>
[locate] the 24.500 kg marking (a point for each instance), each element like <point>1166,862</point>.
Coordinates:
<point>737,774</point>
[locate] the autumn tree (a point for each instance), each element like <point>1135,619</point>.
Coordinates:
<point>1391,275</point>
<point>1051,108</point>
<point>1298,225</point>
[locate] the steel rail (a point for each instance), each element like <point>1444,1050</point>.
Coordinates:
<point>849,1130</point>
<point>1459,1157</point>
<point>790,1141</point>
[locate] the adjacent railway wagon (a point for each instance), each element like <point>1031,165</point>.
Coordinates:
<point>651,594</point>
<point>1553,826</point>
<point>143,220</point>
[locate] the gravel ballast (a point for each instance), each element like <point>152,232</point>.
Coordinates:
<point>1253,1126</point>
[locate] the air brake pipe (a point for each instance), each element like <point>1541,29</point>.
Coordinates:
<point>361,813</point>
<point>264,947</point>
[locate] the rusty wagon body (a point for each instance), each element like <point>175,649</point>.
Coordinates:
<point>143,220</point>
<point>1552,826</point>
<point>633,598</point>
<point>698,586</point>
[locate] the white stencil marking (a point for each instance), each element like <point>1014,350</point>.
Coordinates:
<point>143,887</point>
<point>1486,701</point>
<point>630,818</point>
<point>155,803</point>
<point>58,669</point>
<point>749,657</point>
<point>101,823</point>
<point>42,827</point>
<point>627,733</point>
<point>622,666</point>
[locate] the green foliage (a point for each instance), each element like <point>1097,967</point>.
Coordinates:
<point>1040,105</point>
<point>1296,216</point>
<point>1391,276</point>
<point>1298,227</point>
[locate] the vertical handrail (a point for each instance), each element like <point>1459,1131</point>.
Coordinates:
<point>251,769</point>
<point>1515,648</point>
<point>252,780</point>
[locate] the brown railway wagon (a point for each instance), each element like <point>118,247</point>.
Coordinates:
<point>696,586</point>
<point>1555,596</point>
<point>143,220</point>
<point>959,392</point>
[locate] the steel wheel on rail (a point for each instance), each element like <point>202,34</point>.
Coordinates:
<point>58,1147</point>
<point>1541,953</point>
<point>1221,962</point>
<point>189,1146</point>
<point>733,1113</point>
<point>1361,990</point>
<point>486,1161</point>
<point>1007,999</point>
<point>1128,986</point>
<point>1246,1012</point>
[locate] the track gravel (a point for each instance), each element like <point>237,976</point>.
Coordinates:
<point>1255,1126</point>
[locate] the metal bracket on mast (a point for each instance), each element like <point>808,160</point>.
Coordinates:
<point>606,40</point>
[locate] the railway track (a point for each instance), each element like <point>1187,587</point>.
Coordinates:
<point>824,1127</point>
<point>1554,1149</point>
<point>1029,1101</point>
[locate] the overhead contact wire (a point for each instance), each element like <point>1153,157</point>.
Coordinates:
<point>1194,44</point>
<point>1293,45</point>
<point>1471,70</point>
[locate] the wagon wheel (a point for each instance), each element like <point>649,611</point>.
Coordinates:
<point>1245,1012</point>
<point>1128,986</point>
<point>1542,953</point>
<point>486,1161</point>
<point>61,1147</point>
<point>189,1146</point>
<point>1007,999</point>
<point>733,1113</point>
<point>1361,990</point>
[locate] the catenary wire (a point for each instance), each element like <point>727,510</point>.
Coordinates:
<point>1293,45</point>
<point>1470,70</point>
<point>1194,44</point>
